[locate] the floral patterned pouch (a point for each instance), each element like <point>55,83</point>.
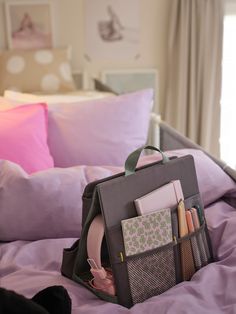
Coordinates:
<point>147,232</point>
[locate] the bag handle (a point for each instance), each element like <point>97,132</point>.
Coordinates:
<point>132,160</point>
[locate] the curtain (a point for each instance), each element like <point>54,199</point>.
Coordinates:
<point>194,71</point>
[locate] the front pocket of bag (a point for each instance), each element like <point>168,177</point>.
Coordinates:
<point>203,246</point>
<point>187,261</point>
<point>194,252</point>
<point>68,261</point>
<point>151,273</point>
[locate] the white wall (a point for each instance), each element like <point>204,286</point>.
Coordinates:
<point>68,30</point>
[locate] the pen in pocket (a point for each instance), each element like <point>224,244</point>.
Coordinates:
<point>187,262</point>
<point>200,242</point>
<point>200,214</point>
<point>195,249</point>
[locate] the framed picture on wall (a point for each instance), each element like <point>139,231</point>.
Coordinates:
<point>124,81</point>
<point>29,24</point>
<point>112,29</point>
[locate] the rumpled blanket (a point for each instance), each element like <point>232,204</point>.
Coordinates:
<point>30,266</point>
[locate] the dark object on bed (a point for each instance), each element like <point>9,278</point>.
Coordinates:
<point>55,299</point>
<point>52,300</point>
<point>103,87</point>
<point>13,303</point>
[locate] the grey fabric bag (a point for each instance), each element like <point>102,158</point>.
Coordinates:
<point>146,274</point>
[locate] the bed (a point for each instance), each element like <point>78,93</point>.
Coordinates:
<point>41,215</point>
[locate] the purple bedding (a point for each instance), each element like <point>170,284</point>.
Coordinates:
<point>29,266</point>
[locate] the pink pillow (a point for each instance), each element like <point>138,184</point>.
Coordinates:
<point>23,137</point>
<point>99,132</point>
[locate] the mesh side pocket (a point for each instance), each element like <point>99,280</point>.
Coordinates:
<point>151,275</point>
<point>196,253</point>
<point>187,263</point>
<point>202,249</point>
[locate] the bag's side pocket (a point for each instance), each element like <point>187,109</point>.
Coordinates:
<point>194,248</point>
<point>197,253</point>
<point>187,262</point>
<point>202,248</point>
<point>68,260</point>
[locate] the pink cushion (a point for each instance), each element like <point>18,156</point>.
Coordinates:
<point>99,132</point>
<point>23,137</point>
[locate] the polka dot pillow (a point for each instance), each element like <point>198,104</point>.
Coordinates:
<point>46,71</point>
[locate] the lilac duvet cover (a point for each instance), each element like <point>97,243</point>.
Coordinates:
<point>29,266</point>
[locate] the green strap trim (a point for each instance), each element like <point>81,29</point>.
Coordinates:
<point>132,160</point>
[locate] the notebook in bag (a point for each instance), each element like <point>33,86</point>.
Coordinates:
<point>166,196</point>
<point>143,233</point>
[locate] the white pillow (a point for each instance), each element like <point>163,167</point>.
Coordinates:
<point>71,97</point>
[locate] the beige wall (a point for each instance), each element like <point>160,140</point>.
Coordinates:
<point>68,30</point>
